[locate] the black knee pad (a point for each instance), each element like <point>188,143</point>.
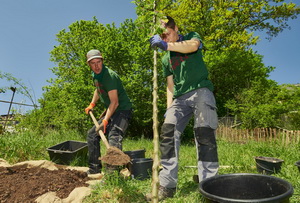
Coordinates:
<point>115,138</point>
<point>167,142</point>
<point>207,145</point>
<point>91,130</point>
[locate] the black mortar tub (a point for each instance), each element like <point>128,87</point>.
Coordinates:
<point>246,187</point>
<point>268,165</point>
<point>140,153</point>
<point>141,168</point>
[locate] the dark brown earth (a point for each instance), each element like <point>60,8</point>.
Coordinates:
<point>115,157</point>
<point>22,184</point>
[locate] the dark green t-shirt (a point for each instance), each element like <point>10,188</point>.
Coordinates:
<point>108,80</point>
<point>188,70</point>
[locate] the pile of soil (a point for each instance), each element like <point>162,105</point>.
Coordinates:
<point>22,184</point>
<point>115,157</point>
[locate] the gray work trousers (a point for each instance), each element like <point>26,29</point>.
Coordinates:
<point>201,104</point>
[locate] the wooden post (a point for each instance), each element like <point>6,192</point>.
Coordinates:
<point>155,181</point>
<point>287,137</point>
<point>282,136</point>
<point>275,133</point>
<point>11,101</point>
<point>270,134</point>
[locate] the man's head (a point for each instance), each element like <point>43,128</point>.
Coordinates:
<point>170,34</point>
<point>92,54</point>
<point>95,60</point>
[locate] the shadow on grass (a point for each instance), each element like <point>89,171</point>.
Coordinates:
<point>188,188</point>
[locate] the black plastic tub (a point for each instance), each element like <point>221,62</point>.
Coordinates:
<point>141,168</point>
<point>246,187</point>
<point>268,165</point>
<point>68,151</point>
<point>298,165</point>
<point>136,153</point>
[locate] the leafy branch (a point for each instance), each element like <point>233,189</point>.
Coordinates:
<point>17,82</point>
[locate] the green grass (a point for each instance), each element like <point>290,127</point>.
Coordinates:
<point>26,146</point>
<point>233,157</point>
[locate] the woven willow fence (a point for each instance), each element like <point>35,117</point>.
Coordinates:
<point>258,134</point>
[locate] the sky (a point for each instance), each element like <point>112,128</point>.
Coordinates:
<point>29,29</point>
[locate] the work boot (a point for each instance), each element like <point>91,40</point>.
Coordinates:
<point>163,193</point>
<point>110,169</point>
<point>93,171</point>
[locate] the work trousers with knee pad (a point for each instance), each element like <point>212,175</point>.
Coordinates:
<point>199,103</point>
<point>115,131</point>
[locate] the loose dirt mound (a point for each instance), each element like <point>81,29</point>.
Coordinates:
<point>22,184</point>
<point>115,157</point>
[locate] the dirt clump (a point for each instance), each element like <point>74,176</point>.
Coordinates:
<point>22,184</point>
<point>115,157</point>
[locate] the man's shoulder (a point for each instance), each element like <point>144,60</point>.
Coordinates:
<point>192,35</point>
<point>110,71</point>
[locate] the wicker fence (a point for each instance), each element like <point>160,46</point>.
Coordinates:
<point>258,134</point>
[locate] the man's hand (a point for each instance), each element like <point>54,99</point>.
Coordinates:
<point>156,41</point>
<point>89,108</point>
<point>102,126</point>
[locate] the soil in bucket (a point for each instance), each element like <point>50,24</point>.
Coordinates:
<point>268,165</point>
<point>246,187</point>
<point>141,168</point>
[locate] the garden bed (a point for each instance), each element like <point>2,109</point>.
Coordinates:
<point>25,182</point>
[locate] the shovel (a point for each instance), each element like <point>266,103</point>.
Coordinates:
<point>114,156</point>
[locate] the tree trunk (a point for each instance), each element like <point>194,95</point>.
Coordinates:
<point>155,166</point>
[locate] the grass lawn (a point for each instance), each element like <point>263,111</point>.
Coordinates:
<point>233,157</point>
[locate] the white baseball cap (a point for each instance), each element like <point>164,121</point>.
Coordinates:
<point>92,54</point>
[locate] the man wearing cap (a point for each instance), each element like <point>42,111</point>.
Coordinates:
<point>189,94</point>
<point>114,121</point>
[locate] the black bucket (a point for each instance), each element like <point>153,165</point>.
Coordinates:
<point>136,153</point>
<point>246,187</point>
<point>268,165</point>
<point>141,168</point>
<point>298,165</point>
<point>68,151</point>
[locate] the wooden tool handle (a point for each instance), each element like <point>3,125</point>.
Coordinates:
<point>100,131</point>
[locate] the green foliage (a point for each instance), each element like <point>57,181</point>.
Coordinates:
<point>224,24</point>
<point>124,51</point>
<point>289,97</point>
<point>226,28</point>
<point>267,105</point>
<point>234,71</point>
<point>32,145</point>
<point>146,14</point>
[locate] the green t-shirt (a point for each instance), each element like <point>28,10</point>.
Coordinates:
<point>188,70</point>
<point>108,80</point>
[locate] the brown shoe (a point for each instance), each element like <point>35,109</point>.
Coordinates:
<point>163,193</point>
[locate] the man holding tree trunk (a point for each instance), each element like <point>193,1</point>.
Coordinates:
<point>189,93</point>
